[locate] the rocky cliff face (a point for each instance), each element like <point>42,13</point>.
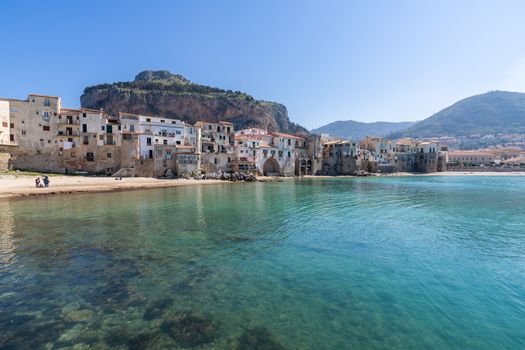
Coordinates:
<point>160,93</point>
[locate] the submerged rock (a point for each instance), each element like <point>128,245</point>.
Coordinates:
<point>157,308</point>
<point>191,330</point>
<point>124,338</point>
<point>79,315</point>
<point>258,338</point>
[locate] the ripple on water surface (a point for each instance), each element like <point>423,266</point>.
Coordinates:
<point>380,263</point>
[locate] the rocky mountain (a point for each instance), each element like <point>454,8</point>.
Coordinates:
<point>490,113</point>
<point>350,129</point>
<point>161,93</point>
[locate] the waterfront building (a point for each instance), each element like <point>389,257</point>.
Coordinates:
<point>471,157</point>
<point>218,146</point>
<point>426,157</point>
<point>155,147</point>
<point>269,153</point>
<point>341,157</point>
<point>44,136</point>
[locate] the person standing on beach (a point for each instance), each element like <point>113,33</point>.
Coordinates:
<point>46,181</point>
<point>37,182</point>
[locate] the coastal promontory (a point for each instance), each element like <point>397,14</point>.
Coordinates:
<point>164,94</point>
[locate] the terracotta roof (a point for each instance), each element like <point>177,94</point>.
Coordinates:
<point>279,134</point>
<point>184,146</point>
<point>91,110</point>
<point>225,122</point>
<point>469,153</point>
<point>406,141</point>
<point>515,160</point>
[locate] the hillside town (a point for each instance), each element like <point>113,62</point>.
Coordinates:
<point>39,134</point>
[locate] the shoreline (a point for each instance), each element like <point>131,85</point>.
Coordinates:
<point>23,186</point>
<point>443,173</point>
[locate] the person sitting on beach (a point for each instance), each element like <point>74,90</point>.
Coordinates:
<point>37,182</point>
<point>46,181</point>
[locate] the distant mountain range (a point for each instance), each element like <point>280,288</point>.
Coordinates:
<point>486,114</point>
<point>490,113</point>
<point>351,129</point>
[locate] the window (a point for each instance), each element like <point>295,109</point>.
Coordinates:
<point>229,160</point>
<point>132,128</point>
<point>86,140</point>
<point>5,124</point>
<point>84,127</point>
<point>177,142</point>
<point>23,133</point>
<point>45,116</point>
<point>90,156</point>
<point>214,160</point>
<point>103,128</point>
<point>11,137</point>
<point>289,154</point>
<point>148,141</point>
<point>148,120</point>
<point>177,132</point>
<point>45,127</point>
<point>165,142</point>
<point>162,121</point>
<point>47,103</point>
<point>83,115</point>
<point>108,155</point>
<point>12,125</point>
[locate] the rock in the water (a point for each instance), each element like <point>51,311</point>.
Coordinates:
<point>191,330</point>
<point>79,315</point>
<point>258,338</point>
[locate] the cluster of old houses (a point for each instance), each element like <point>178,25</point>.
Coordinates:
<point>380,155</point>
<point>39,134</point>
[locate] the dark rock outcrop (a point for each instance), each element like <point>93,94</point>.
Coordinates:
<point>161,93</point>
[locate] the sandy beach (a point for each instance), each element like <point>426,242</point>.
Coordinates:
<point>24,185</point>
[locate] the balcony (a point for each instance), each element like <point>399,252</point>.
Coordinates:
<point>69,122</point>
<point>68,134</point>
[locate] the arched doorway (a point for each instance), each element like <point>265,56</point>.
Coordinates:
<point>271,167</point>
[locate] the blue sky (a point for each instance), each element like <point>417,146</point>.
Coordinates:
<point>325,60</point>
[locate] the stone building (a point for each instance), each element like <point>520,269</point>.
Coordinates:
<point>341,157</point>
<point>47,137</point>
<point>426,157</point>
<point>218,146</point>
<point>156,147</point>
<point>269,153</point>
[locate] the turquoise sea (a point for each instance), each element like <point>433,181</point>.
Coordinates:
<point>368,263</point>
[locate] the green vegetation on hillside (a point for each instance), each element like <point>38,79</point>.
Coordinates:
<point>486,114</point>
<point>172,86</point>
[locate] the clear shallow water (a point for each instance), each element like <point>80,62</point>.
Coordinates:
<point>380,263</point>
